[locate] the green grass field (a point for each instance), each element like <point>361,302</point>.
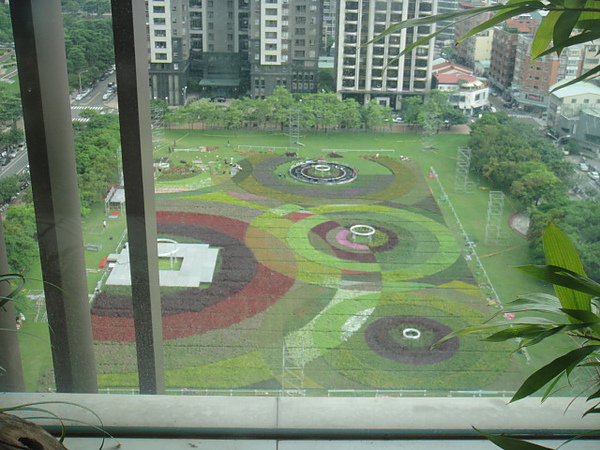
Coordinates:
<point>328,299</point>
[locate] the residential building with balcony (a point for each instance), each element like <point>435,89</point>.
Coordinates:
<point>467,92</point>
<point>168,49</point>
<point>504,51</point>
<point>376,71</point>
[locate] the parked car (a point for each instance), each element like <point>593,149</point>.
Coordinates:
<point>594,175</point>
<point>583,167</point>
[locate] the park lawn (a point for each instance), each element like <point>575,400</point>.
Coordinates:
<point>471,208</point>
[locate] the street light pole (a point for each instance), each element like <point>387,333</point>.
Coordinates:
<point>80,73</point>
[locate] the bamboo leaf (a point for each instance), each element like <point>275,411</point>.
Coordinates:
<point>560,251</point>
<point>487,326</point>
<point>420,41</point>
<point>584,316</point>
<point>551,387</point>
<point>573,40</point>
<point>593,410</point>
<point>522,331</point>
<point>568,19</point>
<point>594,395</point>
<point>508,443</point>
<point>543,35</point>
<point>533,302</point>
<point>542,376</point>
<point>562,277</point>
<point>532,5</point>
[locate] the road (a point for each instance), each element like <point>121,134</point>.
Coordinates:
<point>94,99</point>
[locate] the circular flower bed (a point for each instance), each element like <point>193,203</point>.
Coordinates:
<point>384,339</point>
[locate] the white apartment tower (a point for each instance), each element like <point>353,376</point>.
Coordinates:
<point>169,49</point>
<point>375,72</point>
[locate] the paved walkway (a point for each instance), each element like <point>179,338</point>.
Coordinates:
<point>519,222</point>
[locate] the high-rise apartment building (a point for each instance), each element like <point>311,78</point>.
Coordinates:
<point>230,48</point>
<point>285,43</point>
<point>169,49</point>
<point>329,21</point>
<point>376,72</point>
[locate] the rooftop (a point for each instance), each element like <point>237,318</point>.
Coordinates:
<point>581,88</point>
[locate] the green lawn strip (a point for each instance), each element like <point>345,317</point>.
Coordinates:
<point>115,357</point>
<point>95,233</point>
<point>224,197</point>
<point>197,181</point>
<point>235,372</point>
<point>325,330</point>
<point>34,342</point>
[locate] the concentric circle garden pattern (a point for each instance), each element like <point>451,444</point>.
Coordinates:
<point>354,310</point>
<point>388,338</point>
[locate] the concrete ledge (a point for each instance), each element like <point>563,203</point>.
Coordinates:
<point>323,418</point>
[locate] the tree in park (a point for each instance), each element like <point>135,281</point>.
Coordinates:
<point>535,183</point>
<point>374,114</point>
<point>279,104</point>
<point>579,220</point>
<point>19,235</point>
<point>497,153</point>
<point>234,115</point>
<point>411,108</point>
<point>96,144</point>
<point>350,116</point>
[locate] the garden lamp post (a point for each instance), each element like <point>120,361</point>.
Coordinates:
<point>80,73</point>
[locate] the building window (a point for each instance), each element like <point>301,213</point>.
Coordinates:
<point>271,23</point>
<point>270,58</point>
<point>160,33</point>
<point>301,20</point>
<point>158,9</point>
<point>161,56</point>
<point>271,35</point>
<point>159,21</point>
<point>270,12</point>
<point>270,46</point>
<point>300,31</point>
<point>160,44</point>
